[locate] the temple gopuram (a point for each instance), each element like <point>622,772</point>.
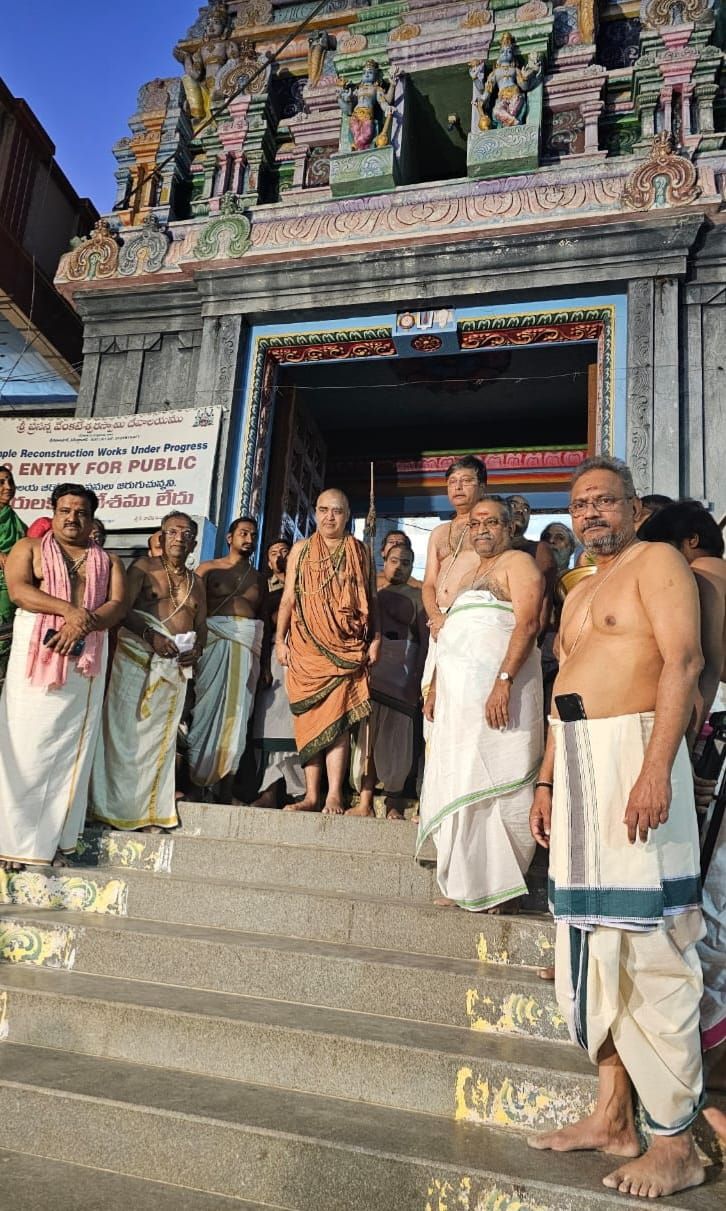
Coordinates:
<point>390,232</point>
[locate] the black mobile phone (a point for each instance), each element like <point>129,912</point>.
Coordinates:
<point>570,707</point>
<point>77,648</point>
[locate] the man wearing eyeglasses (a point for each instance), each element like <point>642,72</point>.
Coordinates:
<point>163,636</point>
<point>614,805</point>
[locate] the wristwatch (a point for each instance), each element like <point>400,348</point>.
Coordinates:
<point>505,677</point>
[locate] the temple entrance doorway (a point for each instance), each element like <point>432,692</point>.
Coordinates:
<point>530,412</point>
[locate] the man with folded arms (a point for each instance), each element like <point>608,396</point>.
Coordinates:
<point>133,782</point>
<point>68,592</point>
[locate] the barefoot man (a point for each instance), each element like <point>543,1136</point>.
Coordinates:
<point>230,664</point>
<point>383,747</point>
<point>614,804</point>
<point>68,592</point>
<point>327,635</point>
<point>487,736</point>
<point>133,784</point>
<point>450,557</point>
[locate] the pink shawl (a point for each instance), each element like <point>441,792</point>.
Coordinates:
<point>45,667</point>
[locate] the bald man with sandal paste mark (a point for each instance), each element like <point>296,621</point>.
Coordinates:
<point>327,636</point>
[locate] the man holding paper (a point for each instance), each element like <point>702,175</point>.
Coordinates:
<point>133,785</point>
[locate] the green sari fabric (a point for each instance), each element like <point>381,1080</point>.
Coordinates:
<point>11,529</point>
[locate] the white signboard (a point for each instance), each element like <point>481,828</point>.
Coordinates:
<point>140,466</point>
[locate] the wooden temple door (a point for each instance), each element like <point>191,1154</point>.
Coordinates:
<point>297,470</point>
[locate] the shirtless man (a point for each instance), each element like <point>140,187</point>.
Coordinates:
<point>485,711</point>
<point>68,593</point>
<point>541,552</point>
<point>132,785</point>
<point>396,538</point>
<point>327,637</point>
<point>451,557</point>
<point>614,805</point>
<point>693,531</point>
<point>230,665</point>
<point>384,747</point>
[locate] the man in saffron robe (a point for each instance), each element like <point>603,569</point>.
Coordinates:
<point>68,592</point>
<point>327,636</point>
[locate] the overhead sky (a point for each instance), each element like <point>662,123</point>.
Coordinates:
<point>79,65</point>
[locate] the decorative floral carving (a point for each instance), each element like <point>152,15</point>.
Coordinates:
<point>405,32</point>
<point>352,44</point>
<point>667,179</point>
<point>146,252</point>
<point>566,29</point>
<point>225,237</point>
<point>673,12</point>
<point>426,343</point>
<point>564,132</point>
<point>255,12</point>
<point>533,10</point>
<point>317,169</point>
<point>619,43</point>
<point>476,18</point>
<point>95,257</point>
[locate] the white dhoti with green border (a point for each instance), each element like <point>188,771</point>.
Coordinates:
<point>477,788</point>
<point>628,915</point>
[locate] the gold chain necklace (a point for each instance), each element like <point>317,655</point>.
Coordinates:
<point>188,582</point>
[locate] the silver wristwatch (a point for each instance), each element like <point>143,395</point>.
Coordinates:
<point>505,677</point>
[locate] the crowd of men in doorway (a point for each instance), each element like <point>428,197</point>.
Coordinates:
<point>561,707</point>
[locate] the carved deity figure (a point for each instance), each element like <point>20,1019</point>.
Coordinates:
<point>500,98</point>
<point>204,62</point>
<point>368,107</point>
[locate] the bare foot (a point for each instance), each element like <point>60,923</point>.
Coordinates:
<point>59,860</point>
<point>361,810</point>
<point>670,1164</point>
<point>152,828</point>
<point>595,1133</point>
<point>13,868</point>
<point>546,973</point>
<point>717,1120</point>
<point>394,814</point>
<point>445,902</point>
<point>415,818</point>
<point>305,805</point>
<point>268,798</point>
<point>333,807</point>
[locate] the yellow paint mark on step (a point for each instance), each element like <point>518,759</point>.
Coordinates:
<point>39,945</point>
<point>4,1025</point>
<point>490,956</point>
<point>72,892</point>
<point>463,1195</point>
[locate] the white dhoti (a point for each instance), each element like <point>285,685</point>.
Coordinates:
<point>133,781</point>
<point>628,915</point>
<point>47,741</point>
<point>274,737</point>
<point>477,788</point>
<point>225,693</point>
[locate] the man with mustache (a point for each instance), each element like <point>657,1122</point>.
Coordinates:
<point>614,804</point>
<point>133,780</point>
<point>485,707</point>
<point>229,667</point>
<point>277,556</point>
<point>69,592</point>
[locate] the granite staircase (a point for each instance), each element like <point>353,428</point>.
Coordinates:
<point>266,1010</point>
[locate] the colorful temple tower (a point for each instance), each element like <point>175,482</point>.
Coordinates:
<point>390,231</point>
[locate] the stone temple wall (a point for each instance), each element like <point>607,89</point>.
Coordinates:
<point>585,151</point>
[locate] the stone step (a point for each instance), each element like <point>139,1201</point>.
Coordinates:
<point>347,917</point>
<point>244,861</point>
<point>33,1183</point>
<point>287,1148</point>
<point>350,834</point>
<point>402,1064</point>
<point>458,992</point>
